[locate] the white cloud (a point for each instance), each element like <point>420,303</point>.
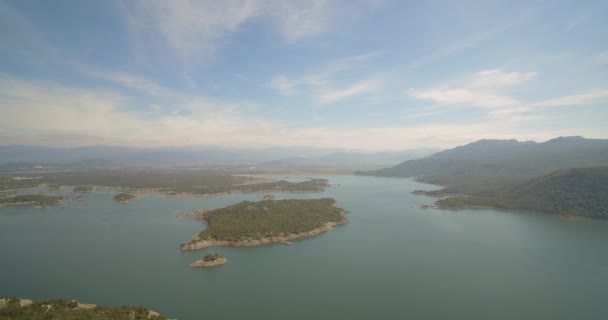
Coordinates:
<point>498,78</point>
<point>482,91</point>
<point>573,100</point>
<point>351,91</point>
<point>462,96</point>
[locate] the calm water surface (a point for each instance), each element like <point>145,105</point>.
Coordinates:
<point>394,261</point>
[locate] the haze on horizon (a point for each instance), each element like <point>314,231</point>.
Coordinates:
<point>365,74</point>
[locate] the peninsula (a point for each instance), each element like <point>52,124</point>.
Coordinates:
<point>268,221</point>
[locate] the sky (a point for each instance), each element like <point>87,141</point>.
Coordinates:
<point>358,74</point>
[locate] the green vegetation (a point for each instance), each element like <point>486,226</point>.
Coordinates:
<point>269,218</point>
<point>123,197</point>
<point>83,189</point>
<point>12,309</point>
<point>9,182</point>
<point>212,257</point>
<point>31,199</point>
<point>573,192</point>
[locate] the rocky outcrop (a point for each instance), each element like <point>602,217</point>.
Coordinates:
<point>204,264</point>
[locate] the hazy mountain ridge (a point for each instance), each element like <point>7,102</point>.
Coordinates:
<point>508,159</point>
<point>353,159</point>
<point>111,156</point>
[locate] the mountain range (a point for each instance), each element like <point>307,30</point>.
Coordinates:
<point>23,156</point>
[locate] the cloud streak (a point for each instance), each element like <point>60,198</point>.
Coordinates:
<point>351,91</point>
<point>483,91</point>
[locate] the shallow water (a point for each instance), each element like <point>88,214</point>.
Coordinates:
<point>394,261</point>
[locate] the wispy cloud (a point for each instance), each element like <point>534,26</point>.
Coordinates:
<point>484,91</point>
<point>573,100</point>
<point>351,91</point>
<point>299,20</point>
<point>194,30</point>
<point>283,85</point>
<point>124,79</point>
<point>82,117</point>
<point>456,46</point>
<point>322,85</point>
<point>601,58</point>
<point>322,77</point>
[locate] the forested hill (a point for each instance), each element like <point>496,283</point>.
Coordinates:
<point>509,159</point>
<point>575,192</point>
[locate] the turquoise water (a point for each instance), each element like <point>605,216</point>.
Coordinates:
<point>394,261</point>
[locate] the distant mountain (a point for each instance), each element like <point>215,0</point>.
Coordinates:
<point>352,159</point>
<point>574,192</point>
<point>19,156</point>
<point>486,161</point>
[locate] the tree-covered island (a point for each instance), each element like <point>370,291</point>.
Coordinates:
<point>268,221</point>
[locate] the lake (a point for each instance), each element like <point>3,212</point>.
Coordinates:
<point>393,261</point>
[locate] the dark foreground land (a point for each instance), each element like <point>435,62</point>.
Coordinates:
<point>20,309</point>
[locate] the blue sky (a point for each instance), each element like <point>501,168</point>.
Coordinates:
<point>368,74</point>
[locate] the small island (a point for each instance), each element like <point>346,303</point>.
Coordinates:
<point>123,197</point>
<point>210,260</point>
<point>268,221</point>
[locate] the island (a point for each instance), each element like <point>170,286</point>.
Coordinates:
<point>210,260</point>
<point>61,309</point>
<point>268,221</point>
<point>123,197</point>
<point>37,200</point>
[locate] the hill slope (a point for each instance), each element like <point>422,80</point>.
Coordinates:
<point>492,164</point>
<point>574,192</point>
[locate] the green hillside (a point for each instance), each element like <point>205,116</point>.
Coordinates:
<point>575,192</point>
